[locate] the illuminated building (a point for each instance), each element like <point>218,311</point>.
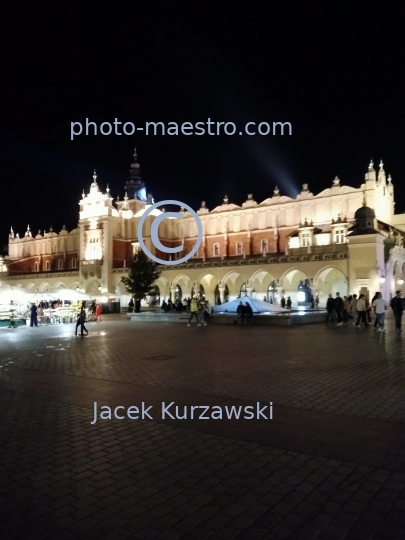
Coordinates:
<point>344,239</point>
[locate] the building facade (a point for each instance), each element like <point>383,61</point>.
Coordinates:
<point>344,239</point>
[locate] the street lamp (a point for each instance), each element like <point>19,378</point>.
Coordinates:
<point>400,281</point>
<point>99,288</point>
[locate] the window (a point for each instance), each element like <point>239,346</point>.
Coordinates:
<point>36,266</point>
<point>340,236</point>
<point>48,265</point>
<point>305,239</point>
<point>239,248</point>
<point>216,250</point>
<point>264,246</point>
<point>60,264</point>
<point>73,263</point>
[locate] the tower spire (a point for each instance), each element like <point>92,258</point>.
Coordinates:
<point>134,186</point>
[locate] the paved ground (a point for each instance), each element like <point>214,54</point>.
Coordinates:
<point>330,465</point>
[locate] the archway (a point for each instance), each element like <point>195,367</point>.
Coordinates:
<point>233,280</point>
<point>208,283</point>
<point>178,294</point>
<point>260,283</point>
<point>296,286</point>
<point>199,291</point>
<point>271,295</point>
<point>330,280</point>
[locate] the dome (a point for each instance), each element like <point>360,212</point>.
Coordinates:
<point>365,217</point>
<point>364,213</point>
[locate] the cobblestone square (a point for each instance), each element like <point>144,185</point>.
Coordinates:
<point>329,465</point>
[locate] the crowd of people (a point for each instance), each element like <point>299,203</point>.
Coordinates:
<point>359,309</point>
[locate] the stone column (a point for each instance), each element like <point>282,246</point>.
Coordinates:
<point>249,290</point>
<point>222,294</point>
<point>173,294</point>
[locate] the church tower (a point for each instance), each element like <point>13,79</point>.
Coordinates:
<point>135,188</point>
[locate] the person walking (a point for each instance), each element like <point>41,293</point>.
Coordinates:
<point>81,319</point>
<point>201,312</point>
<point>368,309</point>
<point>338,307</point>
<point>346,308</point>
<point>353,306</point>
<point>375,297</point>
<point>282,302</point>
<point>380,305</point>
<point>98,313</point>
<point>289,303</point>
<point>193,311</point>
<point>361,312</point>
<point>397,305</point>
<point>33,316</point>
<point>330,306</point>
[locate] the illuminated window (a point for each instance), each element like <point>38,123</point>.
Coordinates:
<point>339,236</point>
<point>305,239</point>
<point>264,246</point>
<point>216,250</point>
<point>239,248</point>
<point>48,265</point>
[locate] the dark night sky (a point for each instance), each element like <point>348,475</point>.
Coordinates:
<point>334,70</point>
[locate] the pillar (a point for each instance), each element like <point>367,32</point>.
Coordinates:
<point>222,294</point>
<point>173,294</point>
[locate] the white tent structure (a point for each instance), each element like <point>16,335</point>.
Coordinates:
<point>258,306</point>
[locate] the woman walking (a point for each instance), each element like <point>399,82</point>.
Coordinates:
<point>98,313</point>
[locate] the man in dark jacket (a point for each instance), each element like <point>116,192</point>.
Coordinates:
<point>34,319</point>
<point>330,303</point>
<point>247,313</point>
<point>239,313</point>
<point>397,305</point>
<point>338,307</point>
<point>81,319</point>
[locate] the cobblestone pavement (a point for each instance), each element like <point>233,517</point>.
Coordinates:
<point>330,465</point>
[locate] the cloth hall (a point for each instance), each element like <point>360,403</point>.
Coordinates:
<point>344,239</point>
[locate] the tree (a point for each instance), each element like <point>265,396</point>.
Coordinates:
<point>142,275</point>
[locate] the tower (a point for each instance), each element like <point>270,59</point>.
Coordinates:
<point>134,187</point>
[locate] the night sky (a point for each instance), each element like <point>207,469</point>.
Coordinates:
<point>334,70</point>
